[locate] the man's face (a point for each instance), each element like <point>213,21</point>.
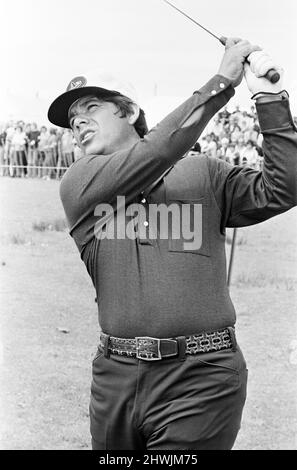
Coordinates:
<point>97,126</point>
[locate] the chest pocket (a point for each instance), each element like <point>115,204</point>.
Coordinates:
<point>189,226</point>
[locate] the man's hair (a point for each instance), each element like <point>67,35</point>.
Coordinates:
<point>124,105</point>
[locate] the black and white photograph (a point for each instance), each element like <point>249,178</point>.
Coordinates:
<point>148,228</point>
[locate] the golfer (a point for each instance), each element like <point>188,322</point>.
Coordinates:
<point>169,373</point>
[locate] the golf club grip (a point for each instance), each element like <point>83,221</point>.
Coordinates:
<point>272,75</point>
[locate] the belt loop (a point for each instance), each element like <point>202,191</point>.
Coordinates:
<point>233,338</point>
<point>181,344</point>
<point>106,344</point>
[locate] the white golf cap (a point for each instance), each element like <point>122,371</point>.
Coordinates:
<point>99,84</point>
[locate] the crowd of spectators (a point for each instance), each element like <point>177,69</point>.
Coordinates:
<point>26,150</point>
<point>234,137</point>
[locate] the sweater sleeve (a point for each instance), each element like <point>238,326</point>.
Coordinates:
<point>246,196</point>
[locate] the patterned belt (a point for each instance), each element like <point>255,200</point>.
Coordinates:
<point>154,349</point>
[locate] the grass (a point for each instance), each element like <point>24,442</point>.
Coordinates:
<point>17,239</point>
<point>238,241</point>
<point>56,225</point>
<point>262,280</point>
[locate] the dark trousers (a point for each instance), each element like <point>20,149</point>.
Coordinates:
<point>172,404</point>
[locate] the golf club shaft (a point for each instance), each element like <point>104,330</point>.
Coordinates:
<point>192,19</point>
<point>272,75</point>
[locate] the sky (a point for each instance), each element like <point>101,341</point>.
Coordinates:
<point>45,43</point>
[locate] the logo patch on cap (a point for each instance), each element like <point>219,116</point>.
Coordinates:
<point>77,82</point>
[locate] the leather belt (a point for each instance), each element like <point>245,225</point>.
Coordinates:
<point>154,349</point>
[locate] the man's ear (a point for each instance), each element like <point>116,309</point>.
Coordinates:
<point>134,114</point>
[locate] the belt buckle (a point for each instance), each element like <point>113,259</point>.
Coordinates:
<point>148,348</point>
